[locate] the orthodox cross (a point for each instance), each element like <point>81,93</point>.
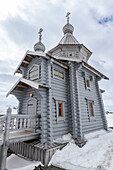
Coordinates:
<point>67,15</point>
<point>40,34</point>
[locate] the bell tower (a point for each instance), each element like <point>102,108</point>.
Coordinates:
<point>69,48</point>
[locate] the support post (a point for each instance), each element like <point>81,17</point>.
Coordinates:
<point>49,115</point>
<point>5,140</point>
<point>73,99</point>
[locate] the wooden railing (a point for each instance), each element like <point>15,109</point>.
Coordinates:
<point>2,123</point>
<point>20,122</point>
<point>11,122</point>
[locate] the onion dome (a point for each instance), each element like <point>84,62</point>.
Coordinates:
<point>39,46</point>
<point>68,37</point>
<point>68,28</point>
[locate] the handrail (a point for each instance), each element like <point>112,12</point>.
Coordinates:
<point>11,122</point>
<point>2,123</point>
<point>20,122</point>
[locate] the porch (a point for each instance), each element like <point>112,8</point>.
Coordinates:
<point>17,128</point>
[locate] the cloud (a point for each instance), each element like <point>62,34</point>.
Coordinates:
<point>19,31</point>
<point>6,82</point>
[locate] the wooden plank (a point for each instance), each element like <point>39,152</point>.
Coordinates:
<point>5,140</point>
<point>39,154</point>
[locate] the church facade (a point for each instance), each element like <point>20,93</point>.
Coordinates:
<point>62,88</point>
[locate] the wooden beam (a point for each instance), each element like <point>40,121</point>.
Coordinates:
<point>29,56</point>
<point>26,62</point>
<point>22,86</point>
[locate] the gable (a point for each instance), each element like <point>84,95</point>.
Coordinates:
<point>29,55</point>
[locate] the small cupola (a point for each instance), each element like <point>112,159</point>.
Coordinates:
<point>68,28</point>
<point>68,37</point>
<point>39,46</point>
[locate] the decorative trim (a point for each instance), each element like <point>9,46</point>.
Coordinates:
<point>59,70</point>
<point>28,73</point>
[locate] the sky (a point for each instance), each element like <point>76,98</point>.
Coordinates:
<point>21,20</point>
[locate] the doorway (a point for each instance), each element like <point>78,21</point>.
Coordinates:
<point>31,106</point>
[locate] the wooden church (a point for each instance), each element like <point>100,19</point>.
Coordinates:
<point>58,93</point>
<point>61,88</point>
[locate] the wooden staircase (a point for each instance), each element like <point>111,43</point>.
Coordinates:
<point>35,150</point>
<point>17,128</point>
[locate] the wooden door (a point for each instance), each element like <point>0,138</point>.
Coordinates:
<point>31,106</point>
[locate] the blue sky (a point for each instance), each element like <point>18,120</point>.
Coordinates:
<point>20,21</point>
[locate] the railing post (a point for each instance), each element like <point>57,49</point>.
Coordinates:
<point>5,140</point>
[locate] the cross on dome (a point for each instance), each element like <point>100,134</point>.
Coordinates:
<point>67,15</point>
<point>68,28</point>
<point>39,46</point>
<point>40,34</point>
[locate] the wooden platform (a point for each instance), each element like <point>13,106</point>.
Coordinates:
<point>19,136</point>
<point>35,150</point>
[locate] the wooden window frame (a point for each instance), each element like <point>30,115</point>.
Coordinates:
<point>62,117</point>
<point>92,109</point>
<point>38,66</point>
<point>61,107</point>
<point>59,70</point>
<point>88,85</point>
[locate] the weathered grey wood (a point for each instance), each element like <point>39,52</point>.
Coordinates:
<point>80,134</point>
<point>39,152</point>
<point>19,122</point>
<point>50,123</point>
<point>102,108</point>
<point>5,141</point>
<point>73,96</point>
<point>2,123</point>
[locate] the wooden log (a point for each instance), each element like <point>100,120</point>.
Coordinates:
<point>5,140</point>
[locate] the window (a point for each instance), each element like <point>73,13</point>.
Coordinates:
<point>90,108</point>
<point>34,72</point>
<point>88,84</point>
<point>60,110</point>
<point>58,74</point>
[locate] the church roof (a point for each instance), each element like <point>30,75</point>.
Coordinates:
<point>98,73</point>
<point>68,38</point>
<point>22,83</point>
<point>29,55</point>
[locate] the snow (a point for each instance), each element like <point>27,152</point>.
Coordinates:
<point>64,138</point>
<point>97,154</point>
<point>110,120</point>
<point>17,163</point>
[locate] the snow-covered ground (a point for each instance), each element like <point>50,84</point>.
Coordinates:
<point>97,154</point>
<point>17,163</point>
